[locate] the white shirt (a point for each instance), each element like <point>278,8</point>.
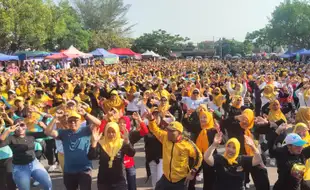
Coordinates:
<point>194,104</point>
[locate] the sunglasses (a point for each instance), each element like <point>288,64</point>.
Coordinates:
<point>22,124</point>
<point>195,92</point>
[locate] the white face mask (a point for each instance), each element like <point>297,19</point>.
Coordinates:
<point>168,119</point>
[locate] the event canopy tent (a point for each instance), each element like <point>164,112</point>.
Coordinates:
<point>299,52</point>
<point>72,52</point>
<point>150,54</point>
<point>100,52</point>
<point>109,58</point>
<point>60,56</point>
<point>23,55</point>
<point>123,51</point>
<point>4,57</point>
<point>75,52</point>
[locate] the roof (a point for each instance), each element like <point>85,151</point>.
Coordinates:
<point>122,51</point>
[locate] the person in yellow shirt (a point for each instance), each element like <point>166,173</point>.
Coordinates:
<point>177,149</point>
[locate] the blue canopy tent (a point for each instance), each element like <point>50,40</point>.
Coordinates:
<point>286,56</point>
<point>300,51</point>
<point>4,57</point>
<point>23,55</point>
<point>307,52</point>
<point>109,58</point>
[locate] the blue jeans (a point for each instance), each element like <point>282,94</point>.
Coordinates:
<point>131,178</point>
<point>22,175</point>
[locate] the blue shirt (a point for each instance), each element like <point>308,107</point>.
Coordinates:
<point>76,146</point>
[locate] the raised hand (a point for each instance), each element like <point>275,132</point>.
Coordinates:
<point>149,115</point>
<point>81,111</point>
<point>95,136</point>
<point>125,135</point>
<point>60,114</point>
<point>13,128</point>
<point>136,116</point>
<point>249,141</point>
<point>261,120</point>
<point>218,138</point>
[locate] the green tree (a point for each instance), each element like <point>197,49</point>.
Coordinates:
<point>108,40</point>
<point>205,45</point>
<point>264,37</point>
<point>66,29</point>
<point>232,47</point>
<point>23,24</point>
<point>107,21</point>
<point>291,23</point>
<point>159,41</point>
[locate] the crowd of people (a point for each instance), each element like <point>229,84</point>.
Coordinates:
<point>183,110</point>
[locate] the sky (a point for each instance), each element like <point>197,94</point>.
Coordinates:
<point>200,20</point>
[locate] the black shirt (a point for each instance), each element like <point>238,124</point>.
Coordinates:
<point>115,174</point>
<point>285,162</point>
<point>231,176</point>
<point>22,147</point>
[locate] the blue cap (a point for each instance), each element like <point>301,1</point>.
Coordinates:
<point>294,139</point>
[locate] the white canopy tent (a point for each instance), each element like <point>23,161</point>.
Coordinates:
<point>150,54</point>
<point>73,51</point>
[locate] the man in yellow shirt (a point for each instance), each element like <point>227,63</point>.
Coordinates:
<point>177,151</point>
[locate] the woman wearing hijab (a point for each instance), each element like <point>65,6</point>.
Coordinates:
<point>275,113</point>
<point>268,95</point>
<point>114,101</point>
<point>110,149</point>
<point>204,139</point>
<point>218,99</point>
<point>231,167</point>
<point>303,115</point>
<point>25,164</point>
<point>239,131</point>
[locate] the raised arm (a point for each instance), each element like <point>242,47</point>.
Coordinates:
<point>50,131</point>
<point>257,159</point>
<point>4,140</point>
<point>208,156</point>
<point>89,117</point>
<point>95,148</point>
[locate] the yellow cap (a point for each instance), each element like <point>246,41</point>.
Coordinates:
<point>175,125</point>
<point>19,98</point>
<point>114,92</point>
<point>74,114</point>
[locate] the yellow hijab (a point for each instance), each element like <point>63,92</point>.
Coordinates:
<point>164,107</point>
<point>306,94</point>
<point>235,102</point>
<point>118,103</point>
<point>218,100</point>
<point>111,147</point>
<point>269,92</point>
<point>249,114</point>
<point>202,141</point>
<point>275,115</point>
<point>238,92</point>
<point>232,160</point>
<point>303,115</point>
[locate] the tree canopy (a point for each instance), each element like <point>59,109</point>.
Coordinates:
<point>46,25</point>
<point>159,41</point>
<point>289,25</point>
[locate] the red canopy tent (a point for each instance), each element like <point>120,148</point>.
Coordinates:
<point>61,56</point>
<point>123,51</point>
